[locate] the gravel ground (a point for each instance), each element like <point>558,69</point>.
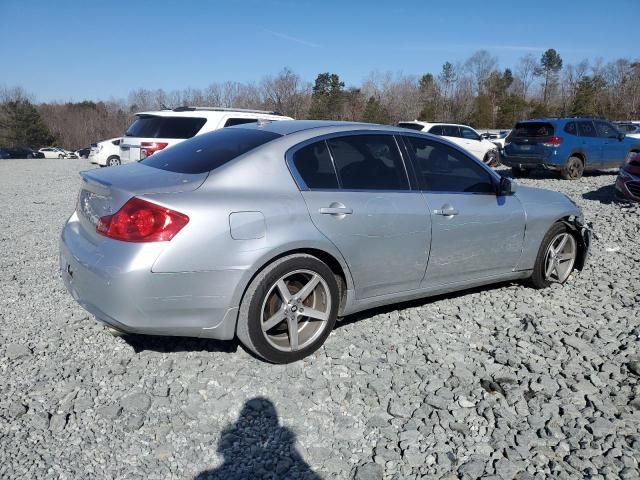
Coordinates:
<point>502,382</point>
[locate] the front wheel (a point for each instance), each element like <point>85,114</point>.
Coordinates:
<point>60,156</point>
<point>556,257</point>
<point>573,170</point>
<point>491,158</point>
<point>289,309</point>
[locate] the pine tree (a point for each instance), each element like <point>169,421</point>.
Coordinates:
<point>21,125</point>
<point>375,112</point>
<point>327,97</point>
<point>550,65</point>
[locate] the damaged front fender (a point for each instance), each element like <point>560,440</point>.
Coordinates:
<point>583,233</point>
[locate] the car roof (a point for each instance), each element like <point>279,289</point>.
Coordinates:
<point>430,124</point>
<point>212,112</point>
<point>287,127</point>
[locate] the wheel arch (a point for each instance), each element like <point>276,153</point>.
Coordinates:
<point>330,257</point>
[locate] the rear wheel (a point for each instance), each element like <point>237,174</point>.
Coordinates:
<point>573,170</point>
<point>519,172</point>
<point>289,309</point>
<point>113,161</point>
<point>556,257</point>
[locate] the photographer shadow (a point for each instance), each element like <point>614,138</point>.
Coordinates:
<point>257,447</point>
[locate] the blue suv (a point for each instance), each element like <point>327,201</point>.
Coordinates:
<point>567,145</point>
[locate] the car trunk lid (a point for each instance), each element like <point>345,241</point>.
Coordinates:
<point>104,191</point>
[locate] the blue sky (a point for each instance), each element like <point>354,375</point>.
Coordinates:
<point>75,50</point>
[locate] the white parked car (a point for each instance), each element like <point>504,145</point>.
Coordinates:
<point>106,153</point>
<point>630,129</point>
<point>56,152</point>
<point>157,130</point>
<point>498,138</point>
<point>462,135</point>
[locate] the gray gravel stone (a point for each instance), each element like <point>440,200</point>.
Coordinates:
<point>499,382</point>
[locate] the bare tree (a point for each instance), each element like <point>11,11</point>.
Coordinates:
<point>525,72</point>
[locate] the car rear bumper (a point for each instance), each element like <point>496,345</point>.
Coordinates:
<point>121,291</point>
<point>529,162</point>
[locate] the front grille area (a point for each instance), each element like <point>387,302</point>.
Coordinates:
<point>634,188</point>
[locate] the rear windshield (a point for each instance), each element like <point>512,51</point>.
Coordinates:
<point>209,151</point>
<point>533,129</point>
<point>148,126</point>
<point>412,126</point>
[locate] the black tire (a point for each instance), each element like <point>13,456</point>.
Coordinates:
<point>60,156</point>
<point>249,329</point>
<point>113,161</point>
<point>537,279</point>
<point>491,158</point>
<point>573,170</point>
<point>518,172</point>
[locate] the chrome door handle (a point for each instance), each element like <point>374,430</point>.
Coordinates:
<point>446,211</point>
<point>336,210</point>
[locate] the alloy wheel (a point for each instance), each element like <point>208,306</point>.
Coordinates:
<point>560,258</point>
<point>296,310</point>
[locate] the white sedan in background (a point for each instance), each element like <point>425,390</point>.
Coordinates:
<point>462,135</point>
<point>106,153</point>
<point>56,152</point>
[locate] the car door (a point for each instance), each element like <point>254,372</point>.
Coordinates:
<point>472,142</point>
<point>614,151</point>
<point>357,190</point>
<point>474,232</point>
<point>591,143</point>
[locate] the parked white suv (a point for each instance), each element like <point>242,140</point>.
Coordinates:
<point>155,131</point>
<point>106,153</point>
<point>462,135</point>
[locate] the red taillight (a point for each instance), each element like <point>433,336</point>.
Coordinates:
<point>149,148</point>
<point>141,221</point>
<point>553,142</point>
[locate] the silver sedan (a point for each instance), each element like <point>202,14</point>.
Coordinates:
<point>271,232</point>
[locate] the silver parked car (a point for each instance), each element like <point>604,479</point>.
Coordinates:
<point>270,232</point>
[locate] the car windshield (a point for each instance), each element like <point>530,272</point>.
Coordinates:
<point>533,129</point>
<point>209,151</point>
<point>149,126</point>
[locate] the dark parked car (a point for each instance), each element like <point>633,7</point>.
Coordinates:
<point>20,152</point>
<point>567,145</point>
<point>628,181</point>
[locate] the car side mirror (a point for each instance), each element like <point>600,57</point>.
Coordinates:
<point>507,187</point>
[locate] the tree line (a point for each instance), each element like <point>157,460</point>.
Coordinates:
<point>475,92</point>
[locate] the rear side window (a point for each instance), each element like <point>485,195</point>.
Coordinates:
<point>586,129</point>
<point>444,169</point>
<point>571,128</point>
<point>314,166</point>
<point>209,151</point>
<point>148,126</point>
<point>533,129</point>
<point>368,162</point>
<point>239,121</point>
<point>436,130</point>
<point>450,131</point>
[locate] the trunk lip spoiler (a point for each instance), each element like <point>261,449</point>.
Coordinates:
<point>89,178</point>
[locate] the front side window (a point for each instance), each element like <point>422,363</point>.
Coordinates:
<point>586,129</point>
<point>314,166</point>
<point>368,162</point>
<point>444,169</point>
<point>436,130</point>
<point>470,134</point>
<point>606,130</point>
